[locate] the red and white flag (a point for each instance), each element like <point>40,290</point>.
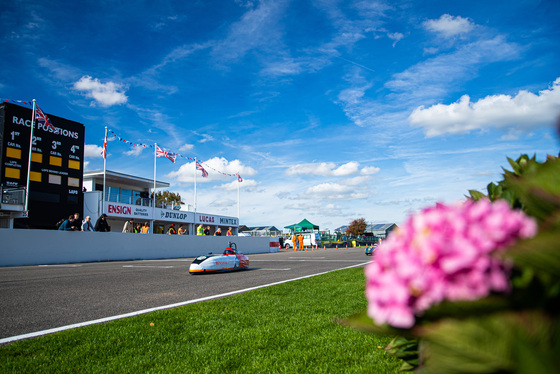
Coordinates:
<point>43,119</point>
<point>104,152</point>
<point>161,153</point>
<point>204,172</point>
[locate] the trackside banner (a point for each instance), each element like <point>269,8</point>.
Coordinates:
<point>148,213</point>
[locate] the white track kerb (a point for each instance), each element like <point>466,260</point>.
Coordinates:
<point>144,311</point>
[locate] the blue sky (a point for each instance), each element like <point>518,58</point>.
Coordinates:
<point>329,110</point>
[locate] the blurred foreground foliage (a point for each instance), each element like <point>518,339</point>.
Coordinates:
<point>517,332</point>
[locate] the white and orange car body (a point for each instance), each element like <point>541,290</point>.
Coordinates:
<point>230,260</point>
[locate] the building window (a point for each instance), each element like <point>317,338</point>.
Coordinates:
<point>136,197</point>
<point>126,196</point>
<point>112,194</point>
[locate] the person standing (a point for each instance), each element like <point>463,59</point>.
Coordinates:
<point>101,224</point>
<point>182,230</point>
<point>171,230</point>
<point>229,233</point>
<point>207,230</point>
<point>129,226</point>
<point>218,232</point>
<point>294,241</point>
<point>146,228</point>
<point>86,225</point>
<point>76,222</point>
<point>300,240</point>
<point>200,230</point>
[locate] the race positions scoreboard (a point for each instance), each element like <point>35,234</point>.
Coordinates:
<point>55,189</point>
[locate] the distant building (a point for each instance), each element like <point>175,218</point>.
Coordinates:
<point>264,231</point>
<point>129,197</point>
<point>379,230</point>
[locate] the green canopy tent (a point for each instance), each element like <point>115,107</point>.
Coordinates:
<point>304,225</point>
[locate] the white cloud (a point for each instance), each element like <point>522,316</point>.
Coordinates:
<point>258,29</point>
<point>357,181</point>
<point>106,94</point>
<point>396,37</point>
<point>134,151</point>
<point>525,111</point>
<point>285,66</point>
<point>205,137</point>
<point>232,186</point>
<point>350,168</point>
<point>432,78</point>
<point>223,203</point>
<point>186,148</point>
<point>368,170</point>
<point>92,151</point>
<point>328,169</point>
<point>335,191</point>
<point>449,26</point>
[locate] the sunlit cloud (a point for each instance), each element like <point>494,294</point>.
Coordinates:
<point>92,151</point>
<point>106,94</point>
<point>449,26</point>
<point>525,111</point>
<point>328,169</point>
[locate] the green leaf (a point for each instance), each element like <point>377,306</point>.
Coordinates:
<point>502,342</point>
<point>361,321</point>
<point>476,195</point>
<point>494,191</point>
<point>538,189</point>
<point>463,309</point>
<point>540,253</point>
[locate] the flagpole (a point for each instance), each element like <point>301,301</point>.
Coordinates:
<point>104,172</point>
<point>29,161</point>
<point>154,191</point>
<point>195,163</point>
<point>238,198</point>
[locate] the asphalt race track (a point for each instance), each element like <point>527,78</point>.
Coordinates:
<point>38,298</point>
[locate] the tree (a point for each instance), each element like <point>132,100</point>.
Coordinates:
<point>169,198</point>
<point>357,227</point>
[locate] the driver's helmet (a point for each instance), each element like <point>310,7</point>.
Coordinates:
<point>229,251</point>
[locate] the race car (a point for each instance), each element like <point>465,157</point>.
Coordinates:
<point>230,260</point>
<point>370,250</point>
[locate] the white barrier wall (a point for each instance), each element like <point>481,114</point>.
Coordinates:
<point>46,247</point>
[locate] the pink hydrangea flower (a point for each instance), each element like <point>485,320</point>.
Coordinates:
<point>445,252</point>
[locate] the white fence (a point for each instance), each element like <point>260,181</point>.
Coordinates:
<point>47,247</point>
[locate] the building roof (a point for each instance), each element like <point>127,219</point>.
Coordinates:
<point>113,176</point>
<point>378,227</point>
<point>264,228</point>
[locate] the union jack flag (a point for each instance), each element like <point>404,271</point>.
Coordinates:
<point>162,153</point>
<point>239,179</point>
<point>43,119</point>
<point>204,172</point>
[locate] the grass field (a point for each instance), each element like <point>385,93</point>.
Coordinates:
<point>288,328</point>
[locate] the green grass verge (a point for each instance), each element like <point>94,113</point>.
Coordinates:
<point>288,328</point>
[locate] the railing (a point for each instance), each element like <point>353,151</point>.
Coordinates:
<point>143,201</point>
<point>13,196</point>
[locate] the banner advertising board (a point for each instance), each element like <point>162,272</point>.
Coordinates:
<point>57,158</point>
